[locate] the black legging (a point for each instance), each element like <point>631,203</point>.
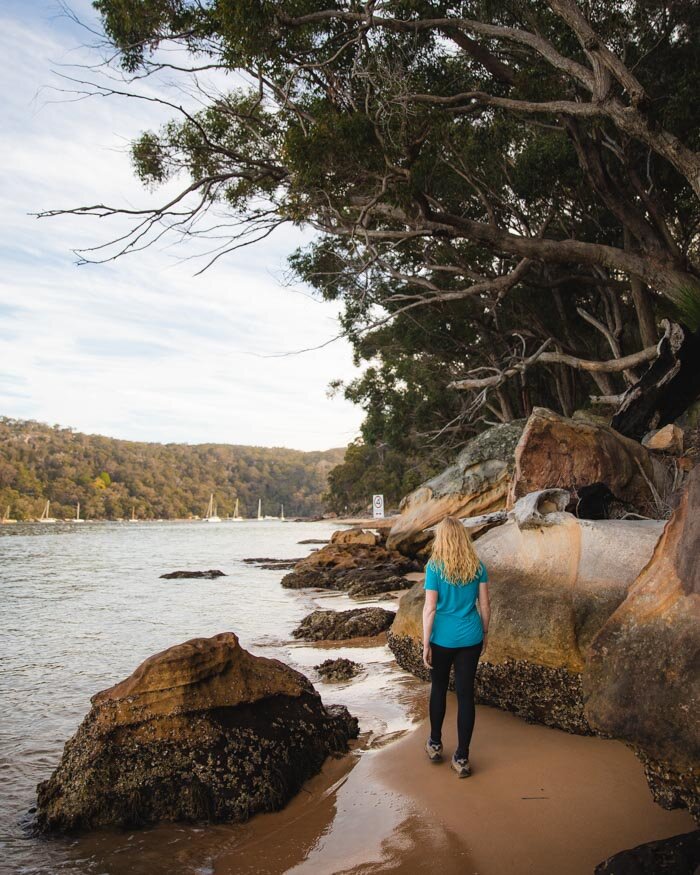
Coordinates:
<point>465,661</point>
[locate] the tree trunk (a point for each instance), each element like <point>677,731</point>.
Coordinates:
<point>666,389</point>
<point>643,304</point>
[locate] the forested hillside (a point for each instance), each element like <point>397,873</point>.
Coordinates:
<point>110,477</point>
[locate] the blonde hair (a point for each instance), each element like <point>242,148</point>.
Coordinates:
<point>454,551</point>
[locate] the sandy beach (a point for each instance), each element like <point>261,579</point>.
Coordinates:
<point>539,801</point>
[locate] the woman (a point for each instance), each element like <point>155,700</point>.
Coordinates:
<point>454,633</point>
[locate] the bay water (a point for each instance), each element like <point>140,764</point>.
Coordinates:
<point>82,605</point>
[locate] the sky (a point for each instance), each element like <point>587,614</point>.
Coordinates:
<point>139,348</point>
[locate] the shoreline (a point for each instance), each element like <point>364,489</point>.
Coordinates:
<point>540,801</point>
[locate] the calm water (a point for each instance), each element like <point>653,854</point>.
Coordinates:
<point>82,606</point>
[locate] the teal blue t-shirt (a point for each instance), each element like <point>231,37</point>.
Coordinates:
<point>457,622</point>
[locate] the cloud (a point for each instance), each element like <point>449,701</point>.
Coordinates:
<point>140,348</point>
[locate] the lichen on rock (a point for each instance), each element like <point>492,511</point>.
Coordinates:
<point>476,483</point>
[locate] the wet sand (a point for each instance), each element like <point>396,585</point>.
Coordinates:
<point>539,801</point>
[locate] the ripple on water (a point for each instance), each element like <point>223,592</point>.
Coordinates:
<point>84,605</point>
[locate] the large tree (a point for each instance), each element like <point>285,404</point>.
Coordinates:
<point>519,178</point>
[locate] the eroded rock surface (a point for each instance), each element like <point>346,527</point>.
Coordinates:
<point>477,483</point>
<point>355,536</point>
<point>552,589</point>
<point>558,452</point>
<point>340,565</point>
<point>202,731</point>
<point>642,680</point>
<point>340,625</point>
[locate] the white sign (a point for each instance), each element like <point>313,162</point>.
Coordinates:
<point>378,506</point>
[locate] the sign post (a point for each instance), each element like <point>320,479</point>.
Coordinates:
<point>378,506</point>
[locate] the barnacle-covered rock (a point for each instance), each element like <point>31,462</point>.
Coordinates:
<point>202,731</point>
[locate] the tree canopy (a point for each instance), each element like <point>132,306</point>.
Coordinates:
<point>506,193</point>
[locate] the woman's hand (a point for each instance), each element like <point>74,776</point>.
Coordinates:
<point>427,656</point>
<point>485,644</point>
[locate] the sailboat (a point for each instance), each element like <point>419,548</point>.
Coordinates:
<point>133,514</point>
<point>6,517</point>
<point>77,514</point>
<point>260,516</point>
<point>236,515</point>
<point>211,516</point>
<point>282,512</point>
<point>45,518</point>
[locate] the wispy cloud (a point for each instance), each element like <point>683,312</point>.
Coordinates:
<point>139,348</point>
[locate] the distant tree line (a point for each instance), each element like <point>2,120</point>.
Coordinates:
<point>159,481</point>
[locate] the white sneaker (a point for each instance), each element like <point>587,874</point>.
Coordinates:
<point>462,767</point>
<point>434,751</point>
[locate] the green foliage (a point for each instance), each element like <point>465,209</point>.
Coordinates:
<point>367,470</point>
<point>161,481</point>
<point>415,199</point>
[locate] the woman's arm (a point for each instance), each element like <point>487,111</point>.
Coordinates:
<point>484,611</point>
<point>429,608</point>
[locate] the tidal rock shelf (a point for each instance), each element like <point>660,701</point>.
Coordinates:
<point>211,574</point>
<point>552,588</point>
<point>343,625</point>
<point>355,560</point>
<point>203,731</point>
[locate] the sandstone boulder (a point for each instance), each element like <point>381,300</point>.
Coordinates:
<point>202,731</point>
<point>642,679</point>
<point>552,588</point>
<point>668,439</point>
<point>340,625</point>
<point>355,536</point>
<point>477,483</point>
<point>558,452</point>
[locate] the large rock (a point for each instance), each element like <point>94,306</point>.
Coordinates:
<point>679,855</point>
<point>668,439</point>
<point>355,536</point>
<point>552,588</point>
<point>202,731</point>
<point>555,451</point>
<point>642,680</point>
<point>340,625</point>
<point>477,483</point>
